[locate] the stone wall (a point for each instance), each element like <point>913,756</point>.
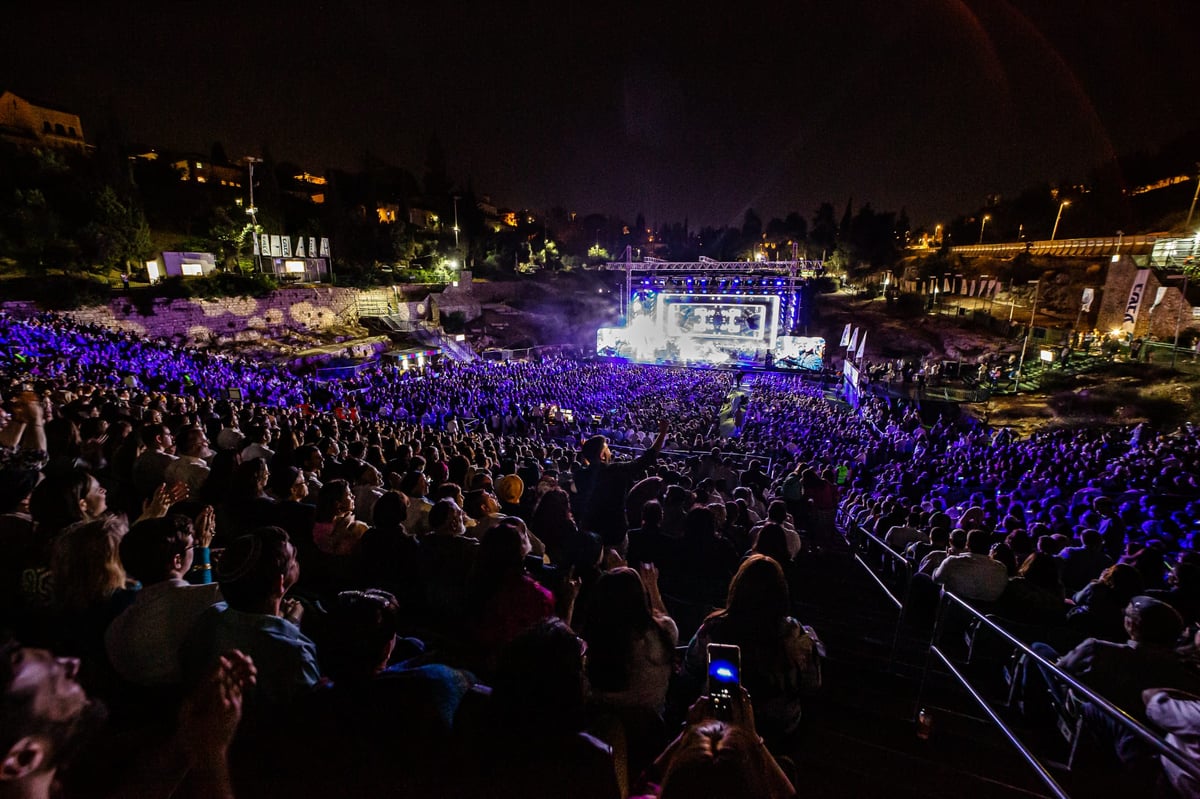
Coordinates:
<point>1158,323</point>
<point>200,321</point>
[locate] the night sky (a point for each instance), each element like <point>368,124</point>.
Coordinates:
<point>694,111</point>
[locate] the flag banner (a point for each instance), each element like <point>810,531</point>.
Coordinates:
<point>862,346</point>
<point>845,336</point>
<point>1158,297</point>
<point>1134,304</point>
<point>853,341</point>
<point>1086,302</point>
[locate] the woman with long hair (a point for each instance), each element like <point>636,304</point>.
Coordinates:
<point>61,500</point>
<point>247,505</point>
<point>87,563</point>
<point>779,656</point>
<point>90,586</point>
<point>631,655</point>
<point>554,525</point>
<point>631,639</point>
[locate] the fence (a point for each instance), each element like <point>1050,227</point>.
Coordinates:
<point>874,549</point>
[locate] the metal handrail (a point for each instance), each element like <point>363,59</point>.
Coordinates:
<point>1153,739</point>
<point>1109,709</point>
<point>901,603</point>
<point>1024,751</point>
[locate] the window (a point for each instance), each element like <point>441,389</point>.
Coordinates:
<point>46,128</point>
<point>71,131</point>
<point>60,130</point>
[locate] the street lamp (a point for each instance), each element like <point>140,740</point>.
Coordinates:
<point>1037,285</point>
<point>982,225</point>
<point>1178,316</point>
<point>1196,195</point>
<point>252,211</point>
<point>1061,206</point>
<point>456,221</point>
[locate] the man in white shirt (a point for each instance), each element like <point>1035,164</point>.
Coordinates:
<point>972,574</point>
<point>191,467</point>
<point>144,642</point>
<point>777,514</point>
<point>257,439</point>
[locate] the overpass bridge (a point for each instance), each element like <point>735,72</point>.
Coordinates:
<point>1163,249</point>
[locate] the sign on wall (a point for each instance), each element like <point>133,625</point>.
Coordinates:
<point>281,246</point>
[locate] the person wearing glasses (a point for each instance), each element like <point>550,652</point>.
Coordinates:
<point>143,643</point>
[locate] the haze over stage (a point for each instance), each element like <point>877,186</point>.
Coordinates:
<point>738,330</point>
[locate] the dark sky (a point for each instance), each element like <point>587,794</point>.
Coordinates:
<point>674,110</point>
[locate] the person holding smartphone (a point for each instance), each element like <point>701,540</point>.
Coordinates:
<point>779,658</point>
<point>714,756</point>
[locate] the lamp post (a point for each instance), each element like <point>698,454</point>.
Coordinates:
<point>1037,285</point>
<point>456,222</point>
<point>252,211</point>
<point>1058,218</point>
<point>1192,210</point>
<point>982,225</point>
<point>1179,317</point>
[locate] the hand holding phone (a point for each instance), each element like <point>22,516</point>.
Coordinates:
<point>724,679</point>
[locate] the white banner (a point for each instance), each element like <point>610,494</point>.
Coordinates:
<point>1134,303</point>
<point>276,247</point>
<point>324,248</point>
<point>285,244</point>
<point>971,288</point>
<point>1158,297</point>
<point>299,247</point>
<point>946,289</point>
<point>1086,302</point>
<point>862,346</point>
<point>845,336</point>
<point>853,341</point>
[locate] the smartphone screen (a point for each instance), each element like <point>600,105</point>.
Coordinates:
<point>724,677</point>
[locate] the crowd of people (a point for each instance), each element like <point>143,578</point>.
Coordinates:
<point>504,577</point>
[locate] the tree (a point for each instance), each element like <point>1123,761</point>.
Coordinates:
<point>847,219</point>
<point>34,229</point>
<point>824,229</point>
<point>118,236</point>
<point>752,228</point>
